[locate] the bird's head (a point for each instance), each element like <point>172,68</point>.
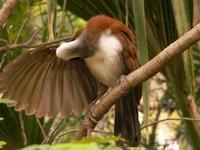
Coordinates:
<point>87,40</point>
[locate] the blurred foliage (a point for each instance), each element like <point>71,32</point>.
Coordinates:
<point>37,147</point>
<point>91,143</point>
<point>2,143</point>
<point>164,22</point>
<point>7,101</point>
<point>196,56</point>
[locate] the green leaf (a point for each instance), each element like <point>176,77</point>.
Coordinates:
<point>2,143</point>
<point>7,101</point>
<point>73,146</point>
<point>99,140</point>
<point>112,147</point>
<point>80,23</point>
<point>37,147</point>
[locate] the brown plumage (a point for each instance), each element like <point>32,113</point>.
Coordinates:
<point>43,84</point>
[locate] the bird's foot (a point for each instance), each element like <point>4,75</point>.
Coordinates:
<point>91,116</point>
<point>121,79</point>
<point>89,110</point>
<point>123,82</point>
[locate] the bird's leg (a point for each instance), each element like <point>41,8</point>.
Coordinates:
<point>89,108</point>
<point>121,79</point>
<point>90,115</point>
<point>101,92</point>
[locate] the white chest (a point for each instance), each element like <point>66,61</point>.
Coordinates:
<point>106,64</point>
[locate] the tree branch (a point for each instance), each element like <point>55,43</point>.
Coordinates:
<point>6,10</point>
<point>138,76</point>
<point>23,128</point>
<point>41,127</point>
<point>167,119</point>
<point>28,44</point>
<point>53,132</point>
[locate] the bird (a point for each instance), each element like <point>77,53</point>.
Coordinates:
<point>66,79</point>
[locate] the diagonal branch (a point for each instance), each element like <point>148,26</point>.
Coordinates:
<point>138,76</point>
<point>6,10</point>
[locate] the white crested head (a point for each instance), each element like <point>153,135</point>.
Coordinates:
<point>65,50</point>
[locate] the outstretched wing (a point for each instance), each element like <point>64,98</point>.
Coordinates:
<point>42,84</point>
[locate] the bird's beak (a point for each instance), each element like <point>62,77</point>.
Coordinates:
<point>69,50</point>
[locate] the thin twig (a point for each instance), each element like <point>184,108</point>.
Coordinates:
<point>70,22</point>
<point>64,133</point>
<point>62,17</point>
<point>10,47</point>
<point>74,130</point>
<point>23,128</point>
<point>51,14</point>
<point>24,23</point>
<point>126,12</point>
<point>33,36</point>
<point>5,41</point>
<point>27,45</point>
<point>178,119</point>
<point>53,132</point>
<point>41,127</point>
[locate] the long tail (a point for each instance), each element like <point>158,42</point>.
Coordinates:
<point>126,119</point>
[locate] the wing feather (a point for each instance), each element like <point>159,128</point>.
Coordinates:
<point>67,91</point>
<point>44,103</point>
<point>42,84</point>
<point>25,87</point>
<point>38,91</point>
<point>76,92</point>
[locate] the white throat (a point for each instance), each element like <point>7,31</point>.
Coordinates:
<point>106,64</point>
<point>109,43</point>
